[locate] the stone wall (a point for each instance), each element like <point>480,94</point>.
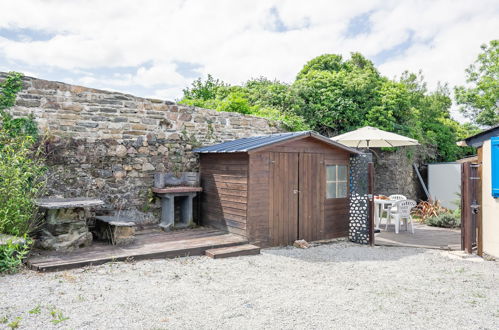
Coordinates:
<point>394,172</point>
<point>108,145</point>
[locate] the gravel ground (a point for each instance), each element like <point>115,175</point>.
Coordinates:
<point>339,285</point>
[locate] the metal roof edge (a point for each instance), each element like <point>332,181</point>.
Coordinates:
<point>279,137</point>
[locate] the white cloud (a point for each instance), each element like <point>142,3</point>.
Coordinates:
<point>232,39</point>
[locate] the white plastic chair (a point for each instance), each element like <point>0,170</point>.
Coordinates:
<point>387,207</point>
<point>397,197</point>
<point>402,210</point>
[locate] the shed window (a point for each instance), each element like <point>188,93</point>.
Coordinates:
<point>336,181</point>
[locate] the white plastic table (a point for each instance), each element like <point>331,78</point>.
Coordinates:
<point>378,209</point>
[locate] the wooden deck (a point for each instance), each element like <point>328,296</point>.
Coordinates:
<point>424,237</point>
<point>149,244</point>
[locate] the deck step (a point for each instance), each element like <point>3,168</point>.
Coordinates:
<point>233,251</point>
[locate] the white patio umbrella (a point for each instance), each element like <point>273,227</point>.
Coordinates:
<point>372,137</point>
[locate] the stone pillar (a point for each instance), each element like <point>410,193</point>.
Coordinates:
<point>167,211</point>
<point>358,231</point>
<point>65,229</point>
<point>186,208</point>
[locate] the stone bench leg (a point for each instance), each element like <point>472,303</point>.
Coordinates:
<point>167,212</point>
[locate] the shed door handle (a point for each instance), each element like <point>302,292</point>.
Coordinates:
<point>295,191</point>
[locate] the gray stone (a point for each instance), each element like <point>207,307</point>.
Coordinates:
<point>147,167</point>
<point>121,151</point>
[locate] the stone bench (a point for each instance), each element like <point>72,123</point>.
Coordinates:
<point>116,230</point>
<point>65,225</point>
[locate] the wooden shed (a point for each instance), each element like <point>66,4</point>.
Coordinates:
<point>277,188</point>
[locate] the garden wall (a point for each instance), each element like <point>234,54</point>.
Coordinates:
<point>394,172</point>
<point>108,145</point>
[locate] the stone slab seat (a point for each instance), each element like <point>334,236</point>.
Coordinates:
<point>67,203</point>
<point>233,251</point>
<point>65,225</point>
<point>117,230</point>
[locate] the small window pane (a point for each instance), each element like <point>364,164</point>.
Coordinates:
<point>342,190</point>
<point>331,190</point>
<point>342,173</point>
<point>331,172</point>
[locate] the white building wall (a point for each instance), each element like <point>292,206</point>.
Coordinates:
<point>490,206</point>
<point>444,184</point>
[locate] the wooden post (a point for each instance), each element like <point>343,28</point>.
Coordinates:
<point>466,216</point>
<point>479,201</point>
<point>370,194</point>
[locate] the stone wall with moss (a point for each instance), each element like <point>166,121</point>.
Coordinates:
<point>108,145</point>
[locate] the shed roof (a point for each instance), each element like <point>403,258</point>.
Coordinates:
<point>478,139</point>
<point>256,142</point>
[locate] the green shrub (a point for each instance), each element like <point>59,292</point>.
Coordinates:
<point>12,255</point>
<point>20,184</point>
<point>446,220</point>
<point>21,166</point>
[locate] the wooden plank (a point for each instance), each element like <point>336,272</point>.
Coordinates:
<point>466,215</point>
<point>272,199</point>
<point>226,204</point>
<point>224,209</point>
<point>220,167</point>
<point>228,192</point>
<point>479,201</point>
<point>233,251</point>
<point>238,158</point>
<point>217,214</point>
<point>258,198</point>
<point>230,229</point>
<point>225,178</point>
<point>225,185</point>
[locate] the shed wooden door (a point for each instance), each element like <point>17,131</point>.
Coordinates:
<point>283,224</point>
<point>297,197</point>
<point>311,197</point>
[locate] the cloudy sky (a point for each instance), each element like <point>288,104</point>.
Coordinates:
<point>155,48</point>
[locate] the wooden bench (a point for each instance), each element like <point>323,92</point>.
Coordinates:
<point>116,230</point>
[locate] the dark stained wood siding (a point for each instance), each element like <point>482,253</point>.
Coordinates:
<point>224,178</point>
<point>259,198</point>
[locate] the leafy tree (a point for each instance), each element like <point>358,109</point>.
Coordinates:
<point>260,97</point>
<point>204,90</point>
<point>337,94</point>
<point>332,96</point>
<point>480,100</point>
